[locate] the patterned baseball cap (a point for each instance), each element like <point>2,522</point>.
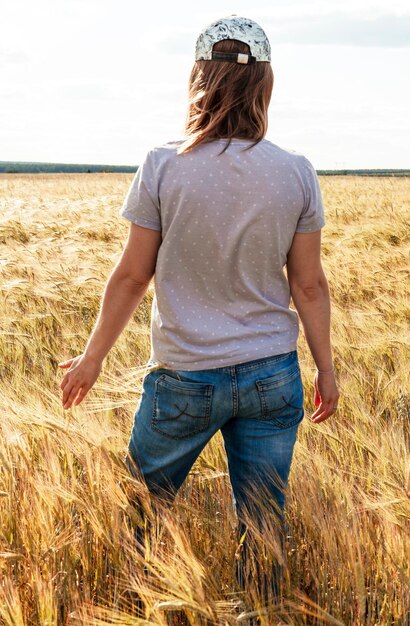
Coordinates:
<point>233,27</point>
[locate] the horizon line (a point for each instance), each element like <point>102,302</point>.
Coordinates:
<point>132,166</point>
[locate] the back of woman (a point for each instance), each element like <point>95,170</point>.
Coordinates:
<point>215,217</point>
<point>227,222</point>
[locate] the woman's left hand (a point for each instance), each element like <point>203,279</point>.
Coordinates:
<point>79,379</point>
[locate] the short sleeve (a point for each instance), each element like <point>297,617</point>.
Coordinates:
<point>313,216</point>
<point>141,204</point>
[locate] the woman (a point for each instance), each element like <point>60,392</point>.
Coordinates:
<point>215,217</point>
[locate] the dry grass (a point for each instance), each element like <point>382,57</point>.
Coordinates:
<point>67,555</point>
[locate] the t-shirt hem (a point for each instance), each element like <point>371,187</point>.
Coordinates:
<point>212,364</point>
<point>312,228</point>
<point>140,222</point>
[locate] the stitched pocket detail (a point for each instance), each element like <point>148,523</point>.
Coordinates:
<point>281,397</point>
<point>181,408</point>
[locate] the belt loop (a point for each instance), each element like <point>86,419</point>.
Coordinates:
<point>152,368</point>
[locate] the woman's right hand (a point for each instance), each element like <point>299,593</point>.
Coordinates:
<point>79,379</point>
<point>326,396</point>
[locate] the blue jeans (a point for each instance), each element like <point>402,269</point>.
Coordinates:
<point>258,406</point>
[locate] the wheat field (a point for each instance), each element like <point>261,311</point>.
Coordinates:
<point>67,554</point>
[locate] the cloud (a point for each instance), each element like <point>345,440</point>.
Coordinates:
<point>13,57</point>
<point>390,31</point>
<point>87,90</point>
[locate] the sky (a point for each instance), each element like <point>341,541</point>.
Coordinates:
<point>104,81</point>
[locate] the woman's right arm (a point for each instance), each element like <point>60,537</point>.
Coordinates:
<point>310,294</point>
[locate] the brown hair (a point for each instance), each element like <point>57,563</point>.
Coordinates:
<point>227,99</point>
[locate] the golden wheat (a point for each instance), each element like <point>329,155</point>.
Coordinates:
<point>67,554</point>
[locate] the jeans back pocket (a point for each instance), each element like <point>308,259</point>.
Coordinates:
<point>281,397</point>
<point>181,408</point>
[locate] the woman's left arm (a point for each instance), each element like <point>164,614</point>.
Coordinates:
<point>125,289</point>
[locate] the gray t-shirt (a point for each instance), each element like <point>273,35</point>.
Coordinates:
<point>227,221</point>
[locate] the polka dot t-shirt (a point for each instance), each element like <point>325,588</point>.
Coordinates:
<point>227,223</point>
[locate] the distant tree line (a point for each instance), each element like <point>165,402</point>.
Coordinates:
<point>26,167</point>
<point>385,172</point>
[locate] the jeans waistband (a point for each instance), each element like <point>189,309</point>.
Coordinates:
<point>257,363</point>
